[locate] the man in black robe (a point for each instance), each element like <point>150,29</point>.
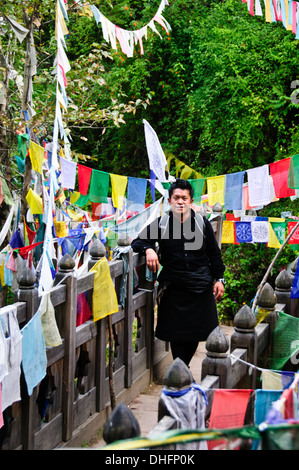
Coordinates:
<point>191,279</point>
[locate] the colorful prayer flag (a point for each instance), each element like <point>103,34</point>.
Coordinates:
<point>36,154</point>
<point>84,175</point>
<point>228,232</point>
<point>136,193</point>
<point>35,202</point>
<point>104,299</point>
<point>279,172</point>
<point>119,186</point>
<point>258,186</point>
<point>293,177</point>
<point>197,185</point>
<point>68,173</point>
<point>99,186</point>
<point>233,197</point>
<point>216,186</point>
<point>243,232</point>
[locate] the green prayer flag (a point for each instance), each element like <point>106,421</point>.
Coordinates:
<point>279,230</point>
<point>23,144</point>
<point>285,344</point>
<point>293,177</point>
<point>99,186</point>
<point>198,186</point>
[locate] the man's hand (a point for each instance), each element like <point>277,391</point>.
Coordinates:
<point>152,260</point>
<point>218,290</point>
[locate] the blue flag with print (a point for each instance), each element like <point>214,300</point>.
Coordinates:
<point>243,232</point>
<point>233,196</point>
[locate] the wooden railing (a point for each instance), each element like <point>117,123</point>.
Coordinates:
<point>77,381</point>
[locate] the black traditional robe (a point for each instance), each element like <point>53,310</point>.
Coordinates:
<point>186,305</point>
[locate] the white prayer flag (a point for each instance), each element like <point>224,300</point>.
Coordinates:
<point>258,186</point>
<point>157,160</point>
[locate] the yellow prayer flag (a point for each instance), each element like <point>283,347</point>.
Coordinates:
<point>267,11</point>
<point>228,232</point>
<point>216,189</point>
<point>60,228</point>
<point>104,299</point>
<point>273,240</point>
<point>119,185</point>
<point>36,154</point>
<point>74,215</point>
<point>74,197</point>
<point>2,278</point>
<point>186,172</point>
<point>35,202</point>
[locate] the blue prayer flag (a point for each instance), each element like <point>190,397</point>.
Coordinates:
<point>295,286</point>
<point>233,195</point>
<point>243,232</point>
<point>136,192</point>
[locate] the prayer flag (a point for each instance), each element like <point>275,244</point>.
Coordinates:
<point>216,186</point>
<point>197,185</point>
<point>104,299</point>
<point>260,231</point>
<point>293,177</point>
<point>273,240</point>
<point>228,410</point>
<point>84,175</point>
<point>228,232</point>
<point>243,232</point>
<point>157,160</point>
<point>136,193</point>
<point>36,154</point>
<point>48,321</point>
<point>279,229</point>
<point>29,234</point>
<point>233,197</point>
<point>294,240</point>
<point>119,186</point>
<point>272,380</point>
<point>34,358</point>
<point>35,202</point>
<point>68,173</point>
<point>258,186</point>
<point>99,186</point>
<point>83,310</point>
<point>295,285</point>
<point>279,172</point>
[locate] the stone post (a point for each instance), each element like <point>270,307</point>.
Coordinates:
<point>27,292</point>
<point>177,377</point>
<point>283,287</point>
<point>67,324</point>
<point>217,361</point>
<point>245,337</point>
<point>98,251</point>
<point>267,302</point>
<point>121,424</point>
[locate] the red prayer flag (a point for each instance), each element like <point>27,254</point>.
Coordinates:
<point>294,240</point>
<point>84,175</point>
<point>280,172</point>
<point>228,411</point>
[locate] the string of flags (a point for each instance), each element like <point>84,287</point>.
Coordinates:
<point>127,39</point>
<point>283,11</point>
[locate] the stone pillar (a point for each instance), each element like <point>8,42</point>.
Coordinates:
<point>283,287</point>
<point>27,292</point>
<point>217,361</point>
<point>121,424</point>
<point>67,316</point>
<point>177,377</point>
<point>267,302</point>
<point>245,337</point>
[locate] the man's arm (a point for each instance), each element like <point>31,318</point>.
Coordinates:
<point>145,245</point>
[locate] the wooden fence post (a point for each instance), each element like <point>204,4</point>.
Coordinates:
<point>268,301</point>
<point>98,251</point>
<point>67,323</point>
<point>245,337</point>
<point>283,287</point>
<point>217,361</point>
<point>27,292</point>
<point>121,424</point>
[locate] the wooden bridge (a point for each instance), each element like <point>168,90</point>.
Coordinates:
<point>77,384</point>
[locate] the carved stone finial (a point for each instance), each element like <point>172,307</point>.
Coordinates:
<point>66,263</point>
<point>121,424</point>
<point>294,267</point>
<point>27,279</point>
<point>267,297</point>
<point>217,343</point>
<point>123,239</point>
<point>217,207</point>
<point>177,375</point>
<point>283,280</point>
<point>97,249</point>
<point>245,319</point>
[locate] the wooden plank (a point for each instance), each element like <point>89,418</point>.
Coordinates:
<point>85,332</point>
<point>85,282</point>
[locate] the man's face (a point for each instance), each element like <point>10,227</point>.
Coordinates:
<point>180,202</point>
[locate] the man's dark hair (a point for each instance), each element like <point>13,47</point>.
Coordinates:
<point>181,184</point>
